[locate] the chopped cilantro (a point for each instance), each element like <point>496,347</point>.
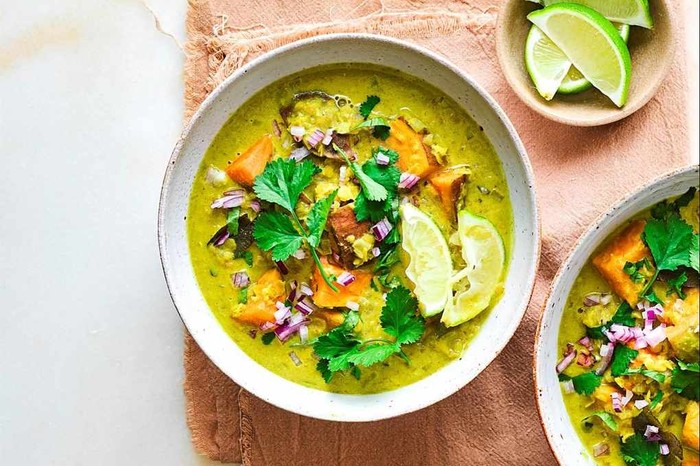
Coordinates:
<point>663,210</point>
<point>636,451</point>
<point>380,127</point>
<point>656,400</point>
<point>368,105</point>
<point>586,384</point>
<point>622,357</point>
<point>243,295</point>
<point>267,338</point>
<point>685,380</point>
<point>676,284</point>
<point>247,256</point>
<point>281,183</point>
<point>653,298</point>
<point>381,132</point>
<point>654,375</point>
<point>695,253</point>
<point>232,220</point>
<point>634,269</point>
<point>372,189</point>
<point>604,416</point>
<point>343,350</point>
<point>388,176</point>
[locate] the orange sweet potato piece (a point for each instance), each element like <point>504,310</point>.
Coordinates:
<point>448,184</point>
<point>252,162</point>
<point>324,296</point>
<point>414,157</point>
<point>690,457</point>
<point>262,295</point>
<point>627,247</point>
<point>691,426</point>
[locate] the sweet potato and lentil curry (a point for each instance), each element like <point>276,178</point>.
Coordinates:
<point>630,344</point>
<point>299,235</point>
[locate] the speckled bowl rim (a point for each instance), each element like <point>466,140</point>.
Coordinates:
<point>305,407</point>
<point>565,269</point>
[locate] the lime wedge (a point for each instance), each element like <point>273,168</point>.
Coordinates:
<point>484,254</point>
<point>430,267</point>
<point>592,44</point>
<point>632,12</point>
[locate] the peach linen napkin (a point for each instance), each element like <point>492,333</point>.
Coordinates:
<point>580,172</point>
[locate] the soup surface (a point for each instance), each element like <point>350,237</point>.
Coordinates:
<point>323,228</point>
<point>629,341</point>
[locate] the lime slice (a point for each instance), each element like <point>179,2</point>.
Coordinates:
<point>545,62</point>
<point>430,267</point>
<point>592,44</point>
<point>632,12</point>
<point>574,82</point>
<point>484,253</point>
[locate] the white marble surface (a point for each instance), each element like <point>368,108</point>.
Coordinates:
<point>90,345</point>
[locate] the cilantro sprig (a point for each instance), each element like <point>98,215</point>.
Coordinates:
<point>368,105</point>
<point>373,190</point>
<point>342,350</point>
<point>685,380</point>
<point>637,451</point>
<point>281,183</point>
<point>586,383</point>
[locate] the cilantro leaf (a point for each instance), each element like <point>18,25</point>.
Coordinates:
<point>326,373</point>
<point>282,181</point>
<point>634,269</point>
<point>267,338</point>
<point>372,123</point>
<point>336,346</point>
<point>676,284</point>
<point>664,209</point>
<point>622,357</point>
<point>232,220</point>
<point>374,353</point>
<point>275,232</point>
<point>389,177</point>
<point>316,221</point>
<point>247,256</point>
<point>652,297</point>
<point>654,375</point>
<point>399,318</point>
<point>373,190</point>
<point>657,398</point>
<point>243,295</point>
<point>636,451</point>
<point>381,132</point>
<point>368,105</point>
<point>586,384</point>
<point>604,416</point>
<point>694,262</point>
<point>685,380</point>
<point>669,241</point>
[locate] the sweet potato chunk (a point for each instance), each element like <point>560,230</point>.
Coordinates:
<point>691,427</point>
<point>345,229</point>
<point>414,157</point>
<point>262,295</point>
<point>324,296</point>
<point>252,162</point>
<point>448,184</point>
<point>627,247</point>
<point>690,457</point>
<point>682,315</point>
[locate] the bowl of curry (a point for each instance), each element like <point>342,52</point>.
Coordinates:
<point>617,350</point>
<point>348,228</point>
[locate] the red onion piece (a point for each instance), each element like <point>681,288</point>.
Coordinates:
<point>299,154</point>
<point>276,128</point>
<point>652,433</point>
<point>591,299</point>
<point>305,290</point>
<point>408,180</point>
<point>282,267</point>
<point>376,252</point>
<point>295,359</point>
<point>303,333</point>
<point>268,326</point>
<point>315,137</point>
<point>299,254</point>
<point>240,279</point>
<point>286,330</point>
<point>327,137</point>
<point>616,402</point>
<point>585,341</point>
<point>664,449</point>
<point>641,404</point>
<point>568,386</point>
<point>255,205</point>
<point>628,396</point>
<point>305,306</point>
<point>282,313</point>
<point>382,159</point>
<point>569,357</point>
<point>381,229</point>
<point>297,132</point>
<point>656,336</point>
<point>220,236</point>
<point>606,351</point>
<point>346,279</point>
<point>229,200</point>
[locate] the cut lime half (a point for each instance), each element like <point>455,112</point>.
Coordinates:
<point>485,256</point>
<point>631,12</point>
<point>591,43</point>
<point>430,266</point>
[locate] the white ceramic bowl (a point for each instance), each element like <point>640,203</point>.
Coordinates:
<point>175,254</point>
<point>565,443</point>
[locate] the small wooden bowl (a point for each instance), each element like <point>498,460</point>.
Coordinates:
<point>652,55</point>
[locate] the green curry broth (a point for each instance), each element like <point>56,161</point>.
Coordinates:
<point>465,142</point>
<point>573,326</point>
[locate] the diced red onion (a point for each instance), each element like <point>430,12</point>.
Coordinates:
<point>297,132</point>
<point>408,180</point>
<point>382,159</point>
<point>352,305</point>
<point>641,404</point>
<point>282,267</point>
<point>299,154</point>
<point>220,236</point>
<point>376,252</point>
<point>656,336</point>
<point>293,292</point>
<point>568,386</point>
<point>568,358</point>
<point>586,341</point>
<point>267,326</point>
<point>240,279</point>
<point>606,352</point>
<point>623,333</point>
<point>315,137</point>
<point>664,449</point>
<point>286,330</point>
<point>216,177</point>
<point>299,254</point>
<point>342,173</point>
<point>346,279</point>
<point>255,205</point>
<point>651,433</point>
<point>282,313</point>
<point>628,396</point>
<point>381,229</point>
<point>295,359</point>
<point>296,318</point>
<point>616,402</point>
<point>601,449</point>
<point>276,128</point>
<point>305,290</point>
<point>605,299</point>
<point>591,299</point>
<point>303,333</point>
<point>305,306</point>
<point>328,137</point>
<point>252,333</point>
<point>229,200</point>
